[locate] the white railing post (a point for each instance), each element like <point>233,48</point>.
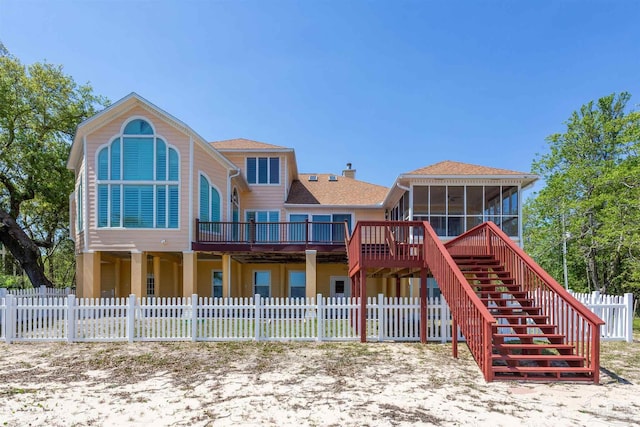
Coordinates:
<point>71,318</point>
<point>257,301</point>
<point>319,317</point>
<point>381,318</point>
<point>10,317</point>
<point>628,302</point>
<point>194,317</point>
<point>131,317</point>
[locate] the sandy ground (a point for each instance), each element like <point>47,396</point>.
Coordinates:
<point>295,384</point>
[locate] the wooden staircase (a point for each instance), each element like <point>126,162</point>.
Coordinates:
<point>526,344</point>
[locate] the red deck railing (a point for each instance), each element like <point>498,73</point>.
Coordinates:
<point>577,323</point>
<point>467,310</point>
<point>386,244</point>
<point>272,233</point>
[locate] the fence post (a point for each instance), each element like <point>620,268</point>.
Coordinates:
<point>628,302</point>
<point>42,291</point>
<point>257,301</point>
<point>3,292</point>
<point>67,290</point>
<point>445,320</point>
<point>71,318</point>
<point>10,317</point>
<point>381,318</point>
<point>319,317</point>
<point>131,317</point>
<point>194,317</point>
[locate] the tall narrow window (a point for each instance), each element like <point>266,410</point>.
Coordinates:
<point>297,284</point>
<point>209,201</point>
<point>262,283</point>
<point>216,283</point>
<point>138,180</point>
<point>79,204</point>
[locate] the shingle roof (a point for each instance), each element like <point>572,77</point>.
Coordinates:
<point>449,167</point>
<point>344,191</point>
<point>244,144</point>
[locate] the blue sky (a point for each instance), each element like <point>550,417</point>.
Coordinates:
<point>388,86</point>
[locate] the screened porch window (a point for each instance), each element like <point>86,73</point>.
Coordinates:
<point>138,180</point>
<point>451,210</point>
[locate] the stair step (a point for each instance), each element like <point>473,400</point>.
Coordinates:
<point>508,346</point>
<point>537,357</point>
<point>512,308</point>
<point>521,316</point>
<point>542,369</point>
<point>537,335</point>
<point>519,328</point>
<point>465,257</point>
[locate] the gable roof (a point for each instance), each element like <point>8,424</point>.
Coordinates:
<point>126,104</point>
<point>243,144</point>
<point>451,168</point>
<point>342,192</point>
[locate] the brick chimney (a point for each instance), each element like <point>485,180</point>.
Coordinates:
<point>348,172</point>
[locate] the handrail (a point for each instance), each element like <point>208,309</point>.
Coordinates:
<point>576,322</point>
<point>253,232</point>
<point>474,319</point>
<point>550,281</point>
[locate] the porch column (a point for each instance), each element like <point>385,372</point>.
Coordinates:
<point>175,291</point>
<point>226,275</point>
<point>423,305</point>
<point>139,274</point>
<point>189,273</point>
<point>157,276</point>
<point>91,285</point>
<point>117,268</point>
<point>363,305</point>
<point>311,276</point>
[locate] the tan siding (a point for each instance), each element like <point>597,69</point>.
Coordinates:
<point>146,240</point>
<point>261,197</point>
<point>203,161</point>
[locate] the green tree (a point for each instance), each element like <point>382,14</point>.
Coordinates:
<point>591,199</point>
<point>40,107</point>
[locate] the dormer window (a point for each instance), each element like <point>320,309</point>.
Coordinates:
<point>263,170</point>
<point>333,178</point>
<point>313,178</point>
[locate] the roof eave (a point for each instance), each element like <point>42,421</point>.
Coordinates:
<point>320,205</point>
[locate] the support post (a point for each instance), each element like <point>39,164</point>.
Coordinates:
<point>226,275</point>
<point>131,317</point>
<point>423,305</point>
<point>320,317</point>
<point>157,276</point>
<point>194,317</point>
<point>139,274</point>
<point>189,273</point>
<point>382,319</point>
<point>257,301</point>
<point>311,272</point>
<point>9,320</point>
<point>454,337</point>
<point>398,287</point>
<point>363,305</point>
<point>628,303</point>
<point>71,318</point>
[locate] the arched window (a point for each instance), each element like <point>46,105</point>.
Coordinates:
<point>138,180</point>
<point>209,201</point>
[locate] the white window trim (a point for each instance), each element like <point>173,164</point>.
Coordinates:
<point>246,163</point>
<point>211,185</point>
<point>304,273</point>
<point>121,181</point>
<point>253,279</point>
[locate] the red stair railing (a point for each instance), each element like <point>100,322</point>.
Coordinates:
<point>576,322</point>
<point>473,318</point>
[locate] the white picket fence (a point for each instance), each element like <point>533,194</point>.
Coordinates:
<point>41,292</point>
<point>217,319</point>
<point>615,310</point>
<point>29,317</point>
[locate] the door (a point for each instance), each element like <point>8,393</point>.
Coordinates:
<point>340,286</point>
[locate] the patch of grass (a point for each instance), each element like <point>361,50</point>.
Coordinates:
<point>12,391</point>
<point>636,325</point>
